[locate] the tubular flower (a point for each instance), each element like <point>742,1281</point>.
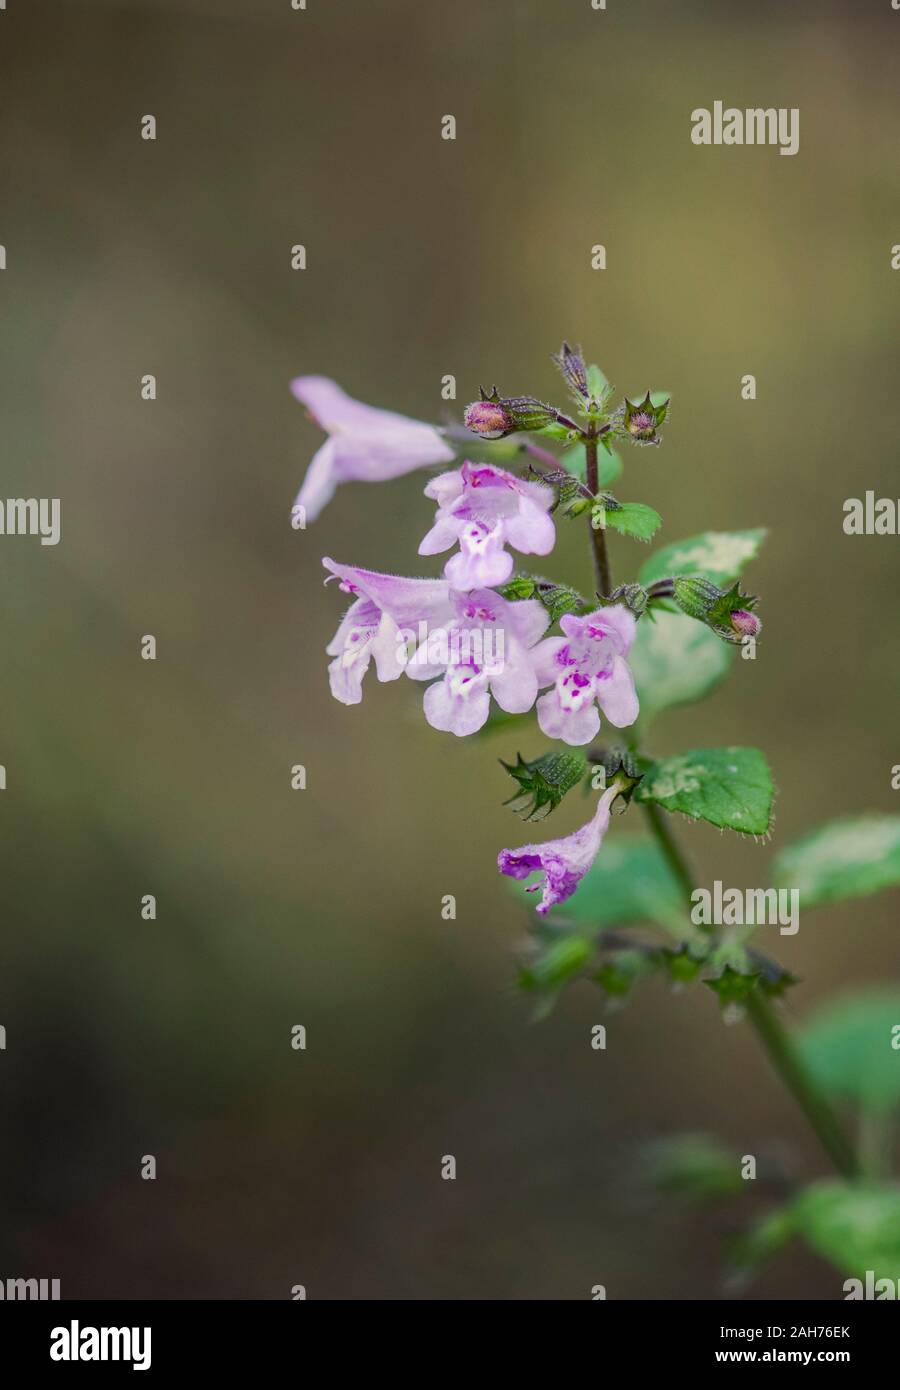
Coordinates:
<point>377,626</point>
<point>484,509</point>
<point>564,862</point>
<point>364,444</point>
<point>486,649</point>
<point>587,667</point>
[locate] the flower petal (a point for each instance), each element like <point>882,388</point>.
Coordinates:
<point>455,713</point>
<point>320,482</point>
<point>532,530</point>
<point>443,534</point>
<point>617,696</point>
<point>574,726</point>
<point>515,686</point>
<point>544,659</point>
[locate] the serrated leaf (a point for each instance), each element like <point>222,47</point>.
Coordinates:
<point>675,661</point>
<point>846,858</point>
<point>855,1228</point>
<point>634,519</point>
<point>719,556</point>
<point>848,1046</point>
<point>729,787</point>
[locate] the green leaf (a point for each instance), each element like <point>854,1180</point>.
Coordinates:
<point>855,1228</point>
<point>729,787</point>
<point>697,1166</point>
<point>596,380</point>
<point>848,1048</point>
<point>634,519</point>
<point>675,661</point>
<point>543,782</point>
<point>556,961</point>
<point>609,465</point>
<point>719,556</point>
<point>630,882</point>
<point>846,858</point>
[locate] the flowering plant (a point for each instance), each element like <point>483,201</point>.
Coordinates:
<point>487,636</point>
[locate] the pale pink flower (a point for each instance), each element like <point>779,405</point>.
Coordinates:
<point>377,626</point>
<point>485,509</point>
<point>364,444</point>
<point>485,650</point>
<point>587,667</point>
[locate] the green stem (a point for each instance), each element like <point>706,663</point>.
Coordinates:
<point>670,850</point>
<point>789,1066</point>
<point>769,1029</point>
<point>598,537</point>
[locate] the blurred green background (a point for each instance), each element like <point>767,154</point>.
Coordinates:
<point>322,907</point>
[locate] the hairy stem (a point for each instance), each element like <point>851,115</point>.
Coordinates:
<point>769,1029</point>
<point>598,538</point>
<point>671,853</point>
<point>772,1034</point>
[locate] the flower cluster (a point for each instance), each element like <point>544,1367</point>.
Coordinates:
<point>478,632</point>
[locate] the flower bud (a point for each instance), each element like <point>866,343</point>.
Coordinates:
<point>727,612</point>
<point>642,419</point>
<point>745,624</point>
<point>494,415</point>
<point>571,364</point>
<point>488,418</point>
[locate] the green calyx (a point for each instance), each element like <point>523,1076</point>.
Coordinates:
<point>727,611</point>
<point>642,420</point>
<point>543,782</point>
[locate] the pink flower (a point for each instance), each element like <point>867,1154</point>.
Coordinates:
<point>377,625</point>
<point>484,650</point>
<point>486,508</point>
<point>363,445</point>
<point>564,862</point>
<point>587,667</point>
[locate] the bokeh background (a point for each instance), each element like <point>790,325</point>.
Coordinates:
<point>322,907</point>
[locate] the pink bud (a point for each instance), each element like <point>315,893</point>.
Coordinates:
<point>745,623</point>
<point>490,419</point>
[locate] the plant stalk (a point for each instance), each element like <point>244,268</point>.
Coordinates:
<point>770,1031</point>
<point>772,1034</point>
<point>598,537</point>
